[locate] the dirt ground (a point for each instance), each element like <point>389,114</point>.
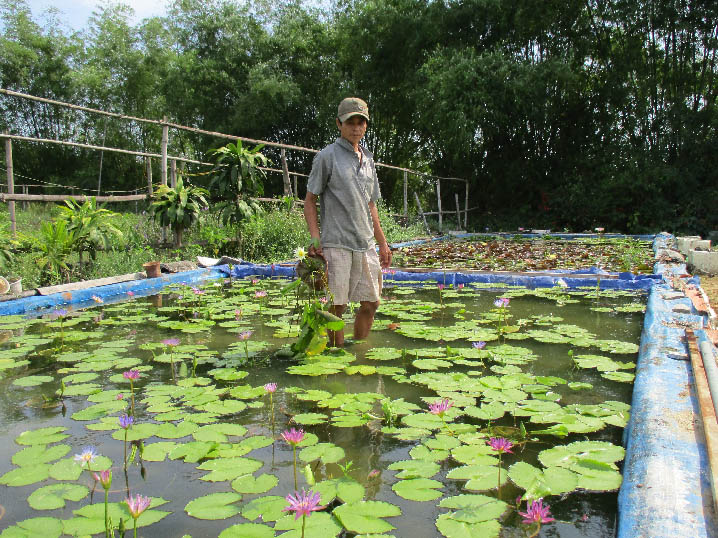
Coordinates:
<point>710,286</point>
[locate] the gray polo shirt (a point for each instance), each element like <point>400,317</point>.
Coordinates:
<point>345,186</point>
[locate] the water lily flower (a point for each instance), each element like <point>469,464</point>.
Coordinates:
<point>323,300</point>
<point>120,397</point>
<point>131,293</point>
<point>260,293</point>
<point>479,345</point>
<point>501,302</point>
<point>238,314</point>
<point>440,407</point>
<point>104,478</point>
<point>244,335</point>
<point>171,342</point>
<point>300,253</point>
<point>536,512</point>
<point>561,282</point>
<point>87,455</point>
<point>373,473</point>
<point>303,504</point>
<point>500,445</point>
<point>58,313</point>
<point>134,375</point>
<point>254,281</point>
<point>460,286</point>
<point>600,230</point>
<point>293,437</point>
<point>97,299</point>
<point>270,387</point>
<point>126,421</point>
<point>138,504</point>
<point>197,291</point>
<point>441,286</point>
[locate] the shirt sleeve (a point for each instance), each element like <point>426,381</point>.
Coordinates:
<point>321,172</point>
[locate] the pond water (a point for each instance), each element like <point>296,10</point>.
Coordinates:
<point>550,370</point>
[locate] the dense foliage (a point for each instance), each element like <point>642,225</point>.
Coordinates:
<point>561,114</point>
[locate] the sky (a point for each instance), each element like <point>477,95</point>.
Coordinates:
<point>76,12</point>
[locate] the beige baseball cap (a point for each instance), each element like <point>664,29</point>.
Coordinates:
<point>352,106</point>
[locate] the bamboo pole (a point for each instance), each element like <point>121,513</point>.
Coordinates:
<point>438,202</point>
<point>10,186</point>
<point>173,173</point>
<point>458,211</point>
<point>24,203</point>
<point>406,200</point>
<point>148,164</point>
<point>421,212</point>
<point>466,207</point>
<point>165,140</point>
<point>285,173</point>
<point>11,198</point>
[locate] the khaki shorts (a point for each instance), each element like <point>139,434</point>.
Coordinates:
<point>353,276</point>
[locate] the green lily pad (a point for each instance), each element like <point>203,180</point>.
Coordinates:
<point>319,525</point>
<point>344,488</point>
<point>418,489</point>
<point>542,483</point>
<point>310,418</point>
<point>36,454</point>
<point>214,506</point>
<point>32,380</point>
<point>23,476</point>
<point>157,451</point>
<point>326,452</point>
<point>474,508</point>
<point>219,432</point>
<point>269,508</point>
<point>452,528</point>
<point>90,519</point>
<point>42,436</point>
<point>364,517</point>
<point>172,431</point>
<point>247,530</point>
<point>567,455</point>
<point>251,484</point>
<point>479,477</point>
<point>54,496</point>
<point>48,527</point>
<point>415,468</point>
<point>228,468</point>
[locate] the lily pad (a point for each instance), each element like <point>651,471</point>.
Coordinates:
<point>214,506</point>
<point>268,508</point>
<point>364,517</point>
<point>247,530</point>
<point>418,489</point>
<point>42,436</point>
<point>251,484</point>
<point>54,496</point>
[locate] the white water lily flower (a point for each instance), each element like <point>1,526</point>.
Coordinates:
<point>300,253</point>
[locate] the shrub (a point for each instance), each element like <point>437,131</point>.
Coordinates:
<point>272,236</point>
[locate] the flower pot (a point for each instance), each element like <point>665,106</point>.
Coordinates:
<point>152,269</point>
<point>16,286</point>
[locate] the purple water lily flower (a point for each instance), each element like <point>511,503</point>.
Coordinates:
<point>87,455</point>
<point>104,478</point>
<point>500,445</point>
<point>126,421</point>
<point>134,375</point>
<point>303,504</point>
<point>479,345</point>
<point>270,387</point>
<point>171,342</point>
<point>244,335</point>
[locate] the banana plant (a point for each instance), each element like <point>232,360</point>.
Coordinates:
<point>91,225</point>
<point>178,208</point>
<point>55,246</point>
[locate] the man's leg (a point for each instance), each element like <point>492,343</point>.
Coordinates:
<point>336,338</point>
<point>364,319</point>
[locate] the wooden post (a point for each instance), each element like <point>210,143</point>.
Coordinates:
<point>466,207</point>
<point>24,191</point>
<point>421,212</point>
<point>10,185</point>
<point>438,201</point>
<point>148,164</point>
<point>458,211</point>
<point>173,173</point>
<point>296,192</point>
<point>163,167</point>
<point>285,173</point>
<point>406,200</point>
<point>165,140</point>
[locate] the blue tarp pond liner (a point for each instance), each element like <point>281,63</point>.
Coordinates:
<point>666,490</point>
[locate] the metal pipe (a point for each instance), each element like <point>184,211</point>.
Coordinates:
<point>709,363</point>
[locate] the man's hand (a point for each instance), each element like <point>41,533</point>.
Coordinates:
<point>385,255</point>
<point>315,248</point>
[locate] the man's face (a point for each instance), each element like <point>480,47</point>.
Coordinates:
<point>353,129</point>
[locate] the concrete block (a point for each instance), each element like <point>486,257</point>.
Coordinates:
<point>703,262</point>
<point>684,244</point>
<point>703,244</point>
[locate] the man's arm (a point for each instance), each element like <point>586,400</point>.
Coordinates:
<point>310,215</point>
<point>384,250</point>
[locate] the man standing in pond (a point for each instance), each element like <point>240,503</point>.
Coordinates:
<point>343,174</point>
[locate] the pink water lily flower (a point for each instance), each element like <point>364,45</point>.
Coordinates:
<point>134,375</point>
<point>260,293</point>
<point>440,407</point>
<point>501,445</point>
<point>293,437</point>
<point>104,478</point>
<point>303,504</point>
<point>536,512</point>
<point>171,342</point>
<point>138,504</point>
<point>270,387</point>
<point>244,335</point>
